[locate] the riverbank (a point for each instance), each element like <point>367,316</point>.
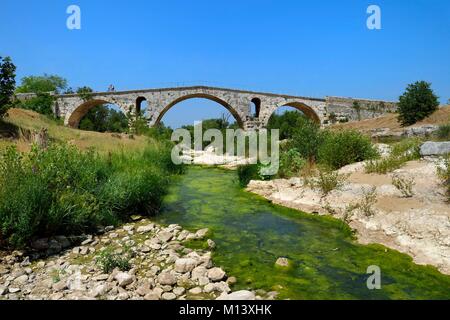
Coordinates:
<point>418,226</point>
<point>159,265</point>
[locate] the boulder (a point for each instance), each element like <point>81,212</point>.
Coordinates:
<point>166,278</point>
<point>145,229</point>
<point>238,295</point>
<point>169,296</point>
<point>184,265</point>
<point>200,234</point>
<point>165,236</point>
<point>123,279</point>
<point>216,274</point>
<point>431,148</point>
<point>282,262</point>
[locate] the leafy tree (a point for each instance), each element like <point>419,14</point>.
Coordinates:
<point>104,119</point>
<point>357,108</point>
<point>85,93</point>
<point>286,123</point>
<point>42,84</point>
<point>306,139</point>
<point>7,84</point>
<point>417,103</point>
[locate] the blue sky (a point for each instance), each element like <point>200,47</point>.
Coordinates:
<point>309,48</point>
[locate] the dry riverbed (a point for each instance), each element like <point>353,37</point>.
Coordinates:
<point>162,267</point>
<point>418,226</point>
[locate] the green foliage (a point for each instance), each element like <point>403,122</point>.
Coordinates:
<point>286,123</point>
<point>417,103</point>
<point>444,174</point>
<point>248,172</point>
<point>402,152</point>
<point>327,181</point>
<point>404,185</point>
<point>42,84</point>
<point>104,119</point>
<point>7,84</point>
<point>85,93</point>
<point>344,147</point>
<point>443,132</point>
<point>291,163</point>
<point>306,139</point>
<point>109,260</point>
<point>42,103</point>
<point>62,190</point>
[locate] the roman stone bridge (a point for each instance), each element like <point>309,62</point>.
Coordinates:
<point>251,110</point>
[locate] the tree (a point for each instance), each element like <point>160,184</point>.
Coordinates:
<point>7,84</point>
<point>104,119</point>
<point>306,138</point>
<point>286,123</point>
<point>42,86</point>
<point>417,103</point>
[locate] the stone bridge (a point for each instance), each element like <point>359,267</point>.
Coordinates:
<point>251,110</point>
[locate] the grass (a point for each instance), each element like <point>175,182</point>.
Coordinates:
<point>28,121</point>
<point>63,190</point>
<point>402,152</point>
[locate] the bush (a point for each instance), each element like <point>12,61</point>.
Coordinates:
<point>404,185</point>
<point>306,139</point>
<point>41,103</point>
<point>246,173</point>
<point>109,260</point>
<point>291,163</point>
<point>327,181</point>
<point>443,132</point>
<point>417,103</point>
<point>345,147</point>
<point>62,190</point>
<point>402,152</point>
<point>444,174</point>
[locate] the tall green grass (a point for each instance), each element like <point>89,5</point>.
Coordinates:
<point>62,190</point>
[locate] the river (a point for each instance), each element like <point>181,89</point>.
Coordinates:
<point>326,262</point>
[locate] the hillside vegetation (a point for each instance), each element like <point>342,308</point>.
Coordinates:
<point>390,121</point>
<point>16,128</point>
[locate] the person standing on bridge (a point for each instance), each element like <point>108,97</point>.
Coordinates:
<point>111,88</point>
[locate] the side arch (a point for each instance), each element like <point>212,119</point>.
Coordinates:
<point>300,106</point>
<point>73,119</point>
<point>157,117</point>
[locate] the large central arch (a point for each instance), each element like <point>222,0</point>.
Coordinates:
<point>235,114</point>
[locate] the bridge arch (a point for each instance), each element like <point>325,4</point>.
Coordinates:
<point>218,100</point>
<point>300,106</point>
<point>76,115</point>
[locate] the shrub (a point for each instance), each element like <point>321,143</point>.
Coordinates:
<point>404,185</point>
<point>417,103</point>
<point>345,147</point>
<point>246,173</point>
<point>402,152</point>
<point>365,205</point>
<point>109,260</point>
<point>327,181</point>
<point>61,190</point>
<point>291,163</point>
<point>306,139</point>
<point>41,103</point>
<point>443,132</point>
<point>444,174</point>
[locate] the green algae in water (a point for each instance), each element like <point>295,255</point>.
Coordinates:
<point>251,234</point>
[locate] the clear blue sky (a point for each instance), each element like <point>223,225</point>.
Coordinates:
<point>310,48</point>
